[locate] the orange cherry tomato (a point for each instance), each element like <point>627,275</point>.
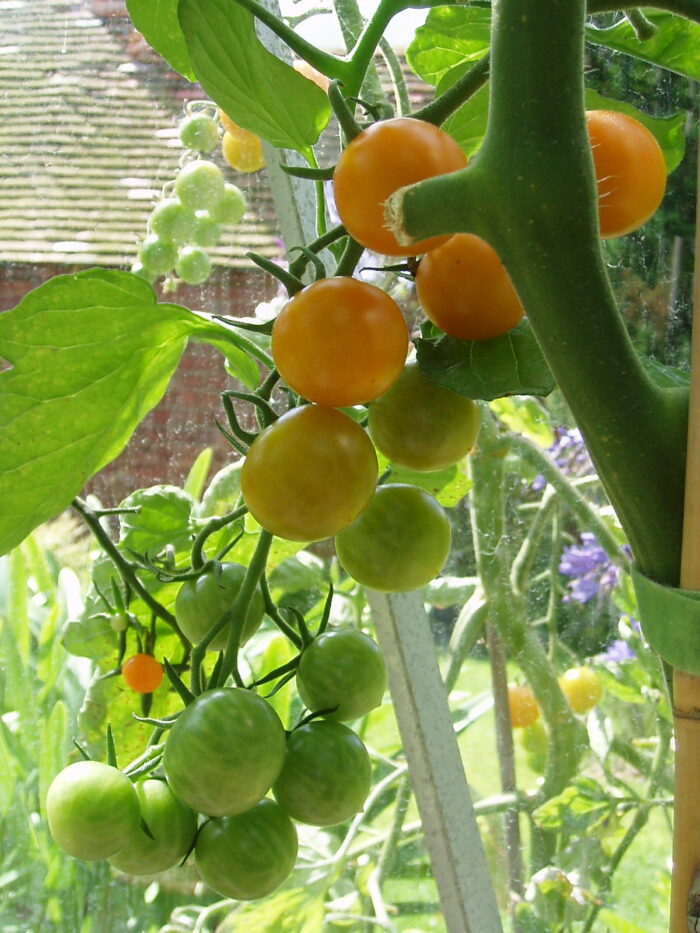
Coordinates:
<point>142,673</point>
<point>340,342</point>
<point>630,171</point>
<point>240,148</point>
<point>465,290</point>
<point>386,156</point>
<point>309,474</point>
<point>522,705</point>
<point>308,71</point>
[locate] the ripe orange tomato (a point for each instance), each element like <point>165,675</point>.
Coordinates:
<point>465,290</point>
<point>582,688</point>
<point>309,474</point>
<point>142,673</point>
<point>630,171</point>
<point>340,342</point>
<point>522,705</point>
<point>386,156</point>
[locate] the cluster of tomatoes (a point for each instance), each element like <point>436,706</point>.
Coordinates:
<point>230,783</point>
<point>187,221</point>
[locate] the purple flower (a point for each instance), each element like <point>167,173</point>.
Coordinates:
<point>617,652</point>
<point>589,568</point>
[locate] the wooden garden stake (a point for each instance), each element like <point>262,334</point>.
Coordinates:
<point>685,885</point>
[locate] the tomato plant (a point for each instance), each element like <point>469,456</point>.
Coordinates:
<point>231,207</point>
<point>422,426</point>
<point>384,157</point>
<point>171,825</point>
<point>157,256</point>
<point>142,673</point>
<point>224,751</point>
<point>582,688</point>
<point>630,171</point>
<point>200,603</point>
<point>326,776</point>
<point>249,855</point>
<point>342,671</point>
<point>400,542</point>
<point>524,709</point>
<point>309,473</point>
<point>465,290</point>
<point>340,342</point>
<point>92,810</point>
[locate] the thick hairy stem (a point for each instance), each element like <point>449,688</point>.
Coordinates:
<point>531,192</point>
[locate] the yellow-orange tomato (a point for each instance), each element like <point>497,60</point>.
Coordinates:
<point>630,171</point>
<point>522,705</point>
<point>582,688</point>
<point>386,156</point>
<point>242,150</point>
<point>465,290</point>
<point>308,71</point>
<point>142,673</point>
<point>309,474</point>
<point>340,342</point>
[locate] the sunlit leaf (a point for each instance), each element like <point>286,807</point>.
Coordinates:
<point>525,416</point>
<point>252,86</point>
<point>158,24</point>
<point>674,46</point>
<point>450,36</point>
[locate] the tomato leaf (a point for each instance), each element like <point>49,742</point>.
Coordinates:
<point>450,36</point>
<point>526,416</point>
<point>669,131</point>
<point>487,369</point>
<point>252,86</point>
<point>164,517</point>
<point>467,125</point>
<point>89,354</point>
<point>159,25</point>
<point>674,46</point>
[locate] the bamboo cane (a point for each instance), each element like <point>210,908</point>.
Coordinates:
<point>685,884</point>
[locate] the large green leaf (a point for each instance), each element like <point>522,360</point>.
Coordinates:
<point>676,44</point>
<point>157,22</point>
<point>450,36</point>
<point>487,369</point>
<point>467,125</point>
<point>91,354</point>
<point>251,85</point>
<point>669,131</point>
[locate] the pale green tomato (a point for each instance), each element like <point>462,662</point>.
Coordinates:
<point>172,222</point>
<point>200,185</point>
<point>199,132</point>
<point>207,232</point>
<point>156,256</point>
<point>231,207</point>
<point>193,265</point>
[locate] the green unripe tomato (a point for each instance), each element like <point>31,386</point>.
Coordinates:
<point>137,268</point>
<point>199,132</point>
<point>231,207</point>
<point>92,810</point>
<point>200,603</point>
<point>193,265</point>
<point>421,425</point>
<point>399,543</point>
<point>207,232</point>
<point>342,671</point>
<point>172,826</point>
<point>172,222</point>
<point>247,856</point>
<point>326,776</point>
<point>200,185</point>
<point>156,256</point>
<point>119,621</point>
